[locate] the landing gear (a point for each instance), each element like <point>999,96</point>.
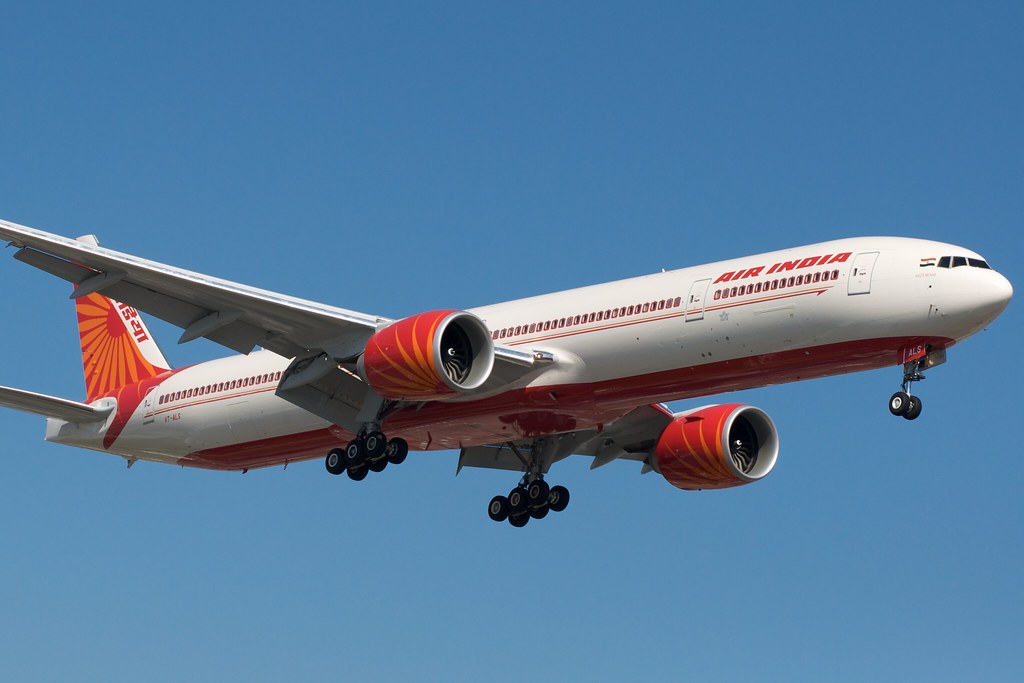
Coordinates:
<point>367,453</point>
<point>528,500</point>
<point>902,404</point>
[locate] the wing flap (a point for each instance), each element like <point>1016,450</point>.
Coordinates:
<point>51,406</point>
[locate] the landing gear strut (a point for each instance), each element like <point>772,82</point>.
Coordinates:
<point>531,498</point>
<point>902,403</point>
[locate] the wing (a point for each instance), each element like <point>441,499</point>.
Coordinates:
<point>240,317</point>
<point>234,315</point>
<point>632,437</point>
<point>51,406</point>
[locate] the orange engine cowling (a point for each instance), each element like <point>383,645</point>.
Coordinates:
<point>717,447</point>
<point>429,356</point>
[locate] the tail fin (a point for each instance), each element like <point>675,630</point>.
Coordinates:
<point>117,349</point>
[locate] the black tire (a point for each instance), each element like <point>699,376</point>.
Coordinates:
<point>377,465</point>
<point>519,521</point>
<point>374,444</point>
<point>899,403</point>
<point>539,513</point>
<point>558,499</point>
<point>517,502</point>
<point>498,509</point>
<point>914,411</point>
<point>335,461</point>
<point>357,473</point>
<point>355,454</point>
<point>396,451</point>
<point>537,493</point>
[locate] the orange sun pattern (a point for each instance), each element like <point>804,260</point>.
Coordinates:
<point>399,360</point>
<point>110,355</point>
<point>691,454</point>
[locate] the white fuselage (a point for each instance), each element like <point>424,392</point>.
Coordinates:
<point>654,338</point>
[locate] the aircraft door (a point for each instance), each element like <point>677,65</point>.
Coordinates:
<point>148,411</point>
<point>860,274</point>
<point>695,301</point>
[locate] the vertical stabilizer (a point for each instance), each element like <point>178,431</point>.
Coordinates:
<point>117,348</point>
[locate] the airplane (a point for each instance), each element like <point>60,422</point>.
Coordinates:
<point>514,386</point>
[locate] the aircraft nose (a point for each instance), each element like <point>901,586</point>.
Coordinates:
<point>997,294</point>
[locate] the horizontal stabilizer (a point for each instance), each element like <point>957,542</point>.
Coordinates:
<point>50,406</point>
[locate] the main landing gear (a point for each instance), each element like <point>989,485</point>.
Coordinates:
<point>532,498</point>
<point>368,452</point>
<point>529,499</point>
<point>902,404</point>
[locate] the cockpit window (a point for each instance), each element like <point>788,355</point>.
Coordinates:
<point>958,261</point>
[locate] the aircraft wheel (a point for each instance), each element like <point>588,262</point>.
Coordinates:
<point>374,444</point>
<point>357,473</point>
<point>558,498</point>
<point>377,465</point>
<point>914,408</point>
<point>517,502</point>
<point>519,521</point>
<point>537,493</point>
<point>396,451</point>
<point>335,461</point>
<point>498,509</point>
<point>899,403</point>
<point>355,454</point>
<point>539,513</point>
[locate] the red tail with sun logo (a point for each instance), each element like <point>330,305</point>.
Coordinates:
<point>117,349</point>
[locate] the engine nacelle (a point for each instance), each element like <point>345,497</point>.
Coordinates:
<point>429,356</point>
<point>718,447</point>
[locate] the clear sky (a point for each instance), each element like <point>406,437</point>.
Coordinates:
<point>396,158</point>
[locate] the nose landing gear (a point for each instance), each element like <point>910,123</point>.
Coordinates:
<point>902,403</point>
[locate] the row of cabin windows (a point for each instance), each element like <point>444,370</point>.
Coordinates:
<point>771,285</point>
<point>222,386</point>
<point>959,261</point>
<point>585,318</point>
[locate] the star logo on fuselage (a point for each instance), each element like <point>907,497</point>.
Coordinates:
<point>723,316</point>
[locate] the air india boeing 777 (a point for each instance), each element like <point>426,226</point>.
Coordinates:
<point>515,386</point>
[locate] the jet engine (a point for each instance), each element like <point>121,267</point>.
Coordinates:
<point>429,356</point>
<point>717,447</point>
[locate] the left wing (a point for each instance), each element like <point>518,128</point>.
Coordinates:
<point>318,336</point>
<point>234,315</point>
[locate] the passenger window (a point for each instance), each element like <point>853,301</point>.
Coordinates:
<point>676,301</point>
<point>791,281</point>
<point>718,294</point>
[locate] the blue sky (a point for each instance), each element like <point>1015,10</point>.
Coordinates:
<point>395,158</point>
